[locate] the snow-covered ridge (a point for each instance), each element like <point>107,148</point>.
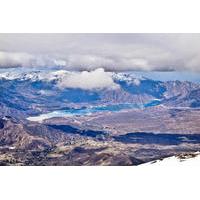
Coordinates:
<point>128,77</point>
<point>33,75</point>
<point>49,75</point>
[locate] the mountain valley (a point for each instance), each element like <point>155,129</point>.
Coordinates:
<point>141,120</point>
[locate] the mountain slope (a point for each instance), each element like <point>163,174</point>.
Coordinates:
<point>30,136</point>
<point>38,92</point>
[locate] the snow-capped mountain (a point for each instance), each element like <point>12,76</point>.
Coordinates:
<point>37,90</point>
<point>49,75</point>
<point>33,75</point>
<point>129,77</point>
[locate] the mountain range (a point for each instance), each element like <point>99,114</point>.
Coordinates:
<point>38,91</point>
<point>127,119</point>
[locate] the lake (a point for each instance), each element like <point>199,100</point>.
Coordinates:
<point>92,109</point>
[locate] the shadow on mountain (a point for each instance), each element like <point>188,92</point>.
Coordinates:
<point>159,139</point>
<point>71,129</point>
<point>1,123</point>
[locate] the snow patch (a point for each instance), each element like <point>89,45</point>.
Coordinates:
<point>189,159</point>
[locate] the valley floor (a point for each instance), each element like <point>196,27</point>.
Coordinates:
<point>129,137</point>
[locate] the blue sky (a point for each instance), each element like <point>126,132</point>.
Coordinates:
<point>172,76</point>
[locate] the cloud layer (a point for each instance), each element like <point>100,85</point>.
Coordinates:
<point>113,52</point>
<point>97,79</point>
<point>10,59</point>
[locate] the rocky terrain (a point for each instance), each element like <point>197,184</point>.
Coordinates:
<point>58,143</point>
<point>164,122</point>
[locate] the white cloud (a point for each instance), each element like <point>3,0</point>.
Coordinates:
<point>97,79</point>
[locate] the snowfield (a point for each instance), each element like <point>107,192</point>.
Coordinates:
<point>192,160</point>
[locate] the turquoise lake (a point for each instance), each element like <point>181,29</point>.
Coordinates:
<point>93,109</point>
